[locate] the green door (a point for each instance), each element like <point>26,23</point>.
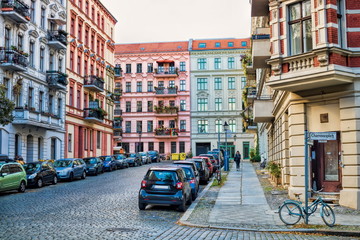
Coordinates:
<point>246,150</point>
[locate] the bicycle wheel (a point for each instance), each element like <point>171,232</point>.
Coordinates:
<point>327,214</point>
<point>290,213</point>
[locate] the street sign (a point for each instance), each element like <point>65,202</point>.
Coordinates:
<point>322,136</point>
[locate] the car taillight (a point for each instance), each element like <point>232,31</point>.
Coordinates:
<point>192,181</point>
<point>179,185</point>
<point>143,184</point>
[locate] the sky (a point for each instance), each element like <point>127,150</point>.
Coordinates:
<point>179,20</point>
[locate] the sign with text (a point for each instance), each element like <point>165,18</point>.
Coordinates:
<point>322,136</point>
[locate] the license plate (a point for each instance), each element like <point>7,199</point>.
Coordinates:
<point>161,187</point>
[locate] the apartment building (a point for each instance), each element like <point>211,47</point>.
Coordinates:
<point>32,69</point>
<point>217,83</point>
<point>155,102</point>
<point>90,66</point>
<point>309,84</point>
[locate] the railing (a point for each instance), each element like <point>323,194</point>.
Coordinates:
<point>55,78</point>
<point>162,70</point>
<point>18,6</point>
<point>299,64</point>
<point>166,132</point>
<point>166,109</point>
<point>58,35</point>
<point>14,57</point>
<point>94,80</point>
<point>93,113</point>
<point>163,90</point>
<point>117,125</point>
<point>118,72</point>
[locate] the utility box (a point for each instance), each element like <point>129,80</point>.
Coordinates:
<point>182,156</point>
<point>175,156</point>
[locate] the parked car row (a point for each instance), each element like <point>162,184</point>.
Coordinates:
<point>176,184</point>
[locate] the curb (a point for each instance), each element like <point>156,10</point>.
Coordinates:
<point>183,222</point>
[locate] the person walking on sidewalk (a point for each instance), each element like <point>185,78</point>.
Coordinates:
<point>237,160</point>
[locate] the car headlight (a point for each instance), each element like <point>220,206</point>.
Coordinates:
<point>32,176</point>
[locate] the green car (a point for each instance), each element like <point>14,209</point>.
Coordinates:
<point>12,177</point>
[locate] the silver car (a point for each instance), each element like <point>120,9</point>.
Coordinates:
<point>145,157</point>
<point>70,168</point>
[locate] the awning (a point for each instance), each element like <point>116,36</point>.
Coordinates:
<point>164,61</point>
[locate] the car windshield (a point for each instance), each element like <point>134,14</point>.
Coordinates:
<point>188,172</point>
<point>143,154</point>
<point>198,165</point>
<point>90,160</point>
<point>62,163</point>
<point>133,155</point>
<point>152,152</point>
<point>107,159</point>
<point>31,167</point>
<point>164,176</point>
<point>120,157</point>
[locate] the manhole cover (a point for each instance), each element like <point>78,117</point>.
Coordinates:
<point>121,229</point>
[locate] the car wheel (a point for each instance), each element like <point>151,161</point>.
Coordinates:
<point>182,206</point>
<point>39,183</point>
<point>189,201</point>
<point>71,177</point>
<point>83,176</point>
<point>55,180</point>
<point>142,206</point>
<point>22,187</point>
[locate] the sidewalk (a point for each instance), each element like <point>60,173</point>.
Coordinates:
<point>241,204</point>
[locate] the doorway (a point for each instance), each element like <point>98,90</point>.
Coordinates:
<point>246,150</point>
<point>202,148</point>
<point>29,148</point>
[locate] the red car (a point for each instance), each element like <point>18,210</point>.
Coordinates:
<point>208,164</point>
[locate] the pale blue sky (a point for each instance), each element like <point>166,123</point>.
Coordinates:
<point>179,20</point>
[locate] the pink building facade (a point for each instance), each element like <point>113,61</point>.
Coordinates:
<point>154,109</point>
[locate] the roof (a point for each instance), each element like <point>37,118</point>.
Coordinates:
<point>151,47</point>
<point>165,167</point>
<point>210,44</point>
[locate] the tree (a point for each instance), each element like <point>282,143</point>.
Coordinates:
<point>6,107</point>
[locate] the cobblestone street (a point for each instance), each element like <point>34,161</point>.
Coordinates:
<point>102,207</point>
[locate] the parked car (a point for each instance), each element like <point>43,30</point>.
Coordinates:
<point>165,185</point>
<point>134,160</point>
<point>213,160</point>
<point>192,179</point>
<point>202,168</point>
<point>70,168</point>
<point>193,166</point>
<point>94,165</point>
<point>154,156</point>
<point>220,153</point>
<point>40,173</point>
<point>121,161</point>
<point>109,163</point>
<point>145,157</point>
<point>12,176</point>
<point>209,164</point>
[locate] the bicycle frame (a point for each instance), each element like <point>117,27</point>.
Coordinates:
<point>311,209</point>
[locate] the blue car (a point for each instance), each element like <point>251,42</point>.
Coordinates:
<point>109,163</point>
<point>154,156</point>
<point>192,179</point>
<point>70,168</point>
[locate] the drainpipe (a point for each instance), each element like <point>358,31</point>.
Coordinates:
<point>306,165</point>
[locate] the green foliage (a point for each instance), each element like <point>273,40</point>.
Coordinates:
<point>274,169</point>
<point>189,154</point>
<point>6,108</point>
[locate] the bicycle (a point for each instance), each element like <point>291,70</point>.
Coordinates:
<point>218,174</point>
<point>291,211</point>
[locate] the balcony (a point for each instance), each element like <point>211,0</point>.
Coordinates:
<point>166,110</point>
<point>57,39</point>
<point>166,72</point>
<point>13,60</point>
<point>263,108</point>
<point>261,47</point>
<point>118,112</point>
<point>259,8</point>
<point>94,113</point>
<point>166,132</point>
<point>94,83</point>
<point>118,72</point>
<point>251,94</point>
<point>30,117</point>
<point>56,80</point>
<point>166,92</point>
<point>117,125</point>
<point>15,10</point>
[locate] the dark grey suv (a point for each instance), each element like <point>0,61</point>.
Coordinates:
<point>165,185</point>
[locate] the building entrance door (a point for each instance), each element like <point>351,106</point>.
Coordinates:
<point>325,165</point>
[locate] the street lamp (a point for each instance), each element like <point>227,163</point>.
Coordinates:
<point>139,132</point>
<point>226,165</point>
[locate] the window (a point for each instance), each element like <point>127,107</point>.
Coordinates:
<point>31,54</point>
<point>93,13</point>
<point>183,125</point>
<point>218,104</point>
<point>87,8</point>
<point>92,41</point>
<point>7,38</point>
<point>91,133</point>
<point>42,53</point>
<point>217,63</point>
<point>80,4</point>
<point>150,126</point>
<point>203,126</point>
<point>128,68</point>
<point>202,45</point>
<point>231,83</point>
<point>128,87</point>
<point>171,83</point>
<point>80,31</point>
<point>202,63</point>
<point>59,106</point>
<point>139,106</point>
<point>231,63</point>
<point>128,126</point>
<point>218,126</point>
<point>69,142</point>
<point>31,98</point>
<point>71,60</point>
<point>138,68</point>
<point>173,147</point>
<point>98,18</point>
<point>138,86</point>
<point>202,84</point>
<point>72,26</point>
<point>230,44</point>
<point>182,66</point>
<point>150,68</point>
<point>231,103</point>
<point>20,42</point>
<point>182,105</point>
<point>150,86</point>
<point>300,27</point>
<point>86,36</point>
<point>51,62</point>
<point>232,125</point>
<point>151,146</point>
<point>243,82</point>
<point>78,70</point>
<point>32,11</point>
<point>172,103</point>
<point>161,84</point>
<point>42,18</point>
<point>202,104</point>
<point>71,96</point>
<point>128,106</point>
<point>182,85</point>
<point>218,83</point>
<point>161,147</point>
<point>85,139</point>
<point>150,106</point>
<point>217,44</point>
<point>138,126</point>
<point>181,147</point>
<point>243,43</point>
<point>7,87</point>
<point>51,104</point>
<point>98,140</point>
<point>340,23</point>
<point>78,98</point>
